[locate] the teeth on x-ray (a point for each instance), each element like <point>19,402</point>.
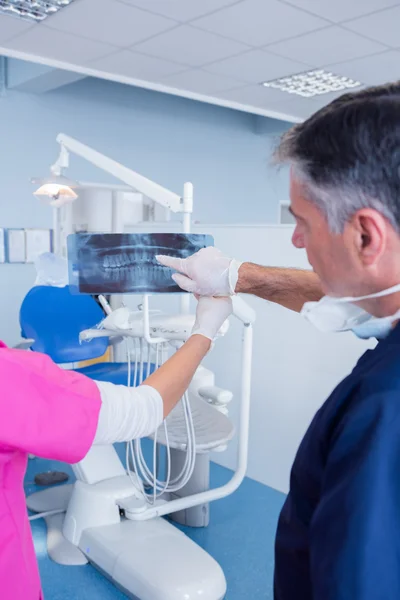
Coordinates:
<point>125,263</point>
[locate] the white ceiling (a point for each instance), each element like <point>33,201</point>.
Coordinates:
<point>217,51</point>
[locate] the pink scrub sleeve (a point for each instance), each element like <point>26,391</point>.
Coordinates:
<point>46,410</point>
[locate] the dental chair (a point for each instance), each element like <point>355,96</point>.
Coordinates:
<point>51,321</point>
<point>54,318</point>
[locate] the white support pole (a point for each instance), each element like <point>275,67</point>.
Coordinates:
<point>146,324</point>
<point>56,231</point>
<point>187,207</point>
<point>234,483</point>
<point>117,226</point>
<point>117,212</point>
<point>187,226</point>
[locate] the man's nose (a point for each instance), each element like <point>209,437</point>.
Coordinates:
<point>297,239</point>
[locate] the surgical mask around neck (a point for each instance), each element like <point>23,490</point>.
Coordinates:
<point>332,314</point>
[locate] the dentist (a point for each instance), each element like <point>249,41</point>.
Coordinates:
<point>58,414</point>
<point>338,535</point>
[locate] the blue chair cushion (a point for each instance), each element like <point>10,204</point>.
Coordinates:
<point>54,318</point>
<point>114,372</point>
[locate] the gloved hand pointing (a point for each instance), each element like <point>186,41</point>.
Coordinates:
<point>206,273</point>
<point>211,314</point>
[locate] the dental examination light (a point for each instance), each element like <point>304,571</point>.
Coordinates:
<point>113,513</point>
<point>59,190</point>
<point>57,187</point>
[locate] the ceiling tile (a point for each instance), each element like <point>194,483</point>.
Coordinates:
<point>57,45</point>
<point>11,26</point>
<point>256,66</point>
<point>180,10</point>
<point>372,70</point>
<point>257,95</point>
<point>260,22</point>
<point>276,100</point>
<point>135,65</point>
<point>200,82</point>
<point>125,25</point>
<point>302,110</point>
<point>305,107</point>
<point>331,45</point>
<point>341,10</point>
<point>189,46</point>
<point>382,26</point>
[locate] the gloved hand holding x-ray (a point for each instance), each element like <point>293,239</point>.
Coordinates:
<point>206,273</point>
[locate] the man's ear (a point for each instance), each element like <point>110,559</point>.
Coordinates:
<point>370,235</point>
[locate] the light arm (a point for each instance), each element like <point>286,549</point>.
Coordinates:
<point>143,185</point>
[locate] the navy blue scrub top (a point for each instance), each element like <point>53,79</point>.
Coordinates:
<point>338,535</point>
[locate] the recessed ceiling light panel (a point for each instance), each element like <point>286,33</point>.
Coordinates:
<point>312,83</point>
<point>32,10</point>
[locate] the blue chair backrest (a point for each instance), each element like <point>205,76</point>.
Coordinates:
<point>54,318</point>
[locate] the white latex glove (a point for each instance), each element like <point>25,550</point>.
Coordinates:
<point>211,314</point>
<point>206,273</point>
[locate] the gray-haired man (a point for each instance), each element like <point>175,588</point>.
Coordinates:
<point>338,535</point>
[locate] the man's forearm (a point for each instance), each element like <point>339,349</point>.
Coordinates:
<point>289,287</point>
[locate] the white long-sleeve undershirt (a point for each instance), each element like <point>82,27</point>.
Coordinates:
<point>127,413</point>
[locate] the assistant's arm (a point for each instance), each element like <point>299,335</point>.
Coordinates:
<point>58,414</point>
<point>210,273</point>
<point>132,413</point>
<point>129,413</point>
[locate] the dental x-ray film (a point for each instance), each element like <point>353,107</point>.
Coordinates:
<point>125,263</point>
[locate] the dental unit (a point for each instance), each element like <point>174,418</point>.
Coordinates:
<point>113,515</point>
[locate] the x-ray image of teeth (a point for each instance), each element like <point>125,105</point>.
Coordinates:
<point>125,263</point>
